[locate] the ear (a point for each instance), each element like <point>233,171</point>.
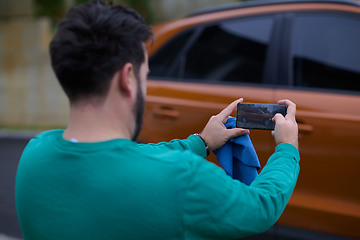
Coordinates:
<point>126,78</point>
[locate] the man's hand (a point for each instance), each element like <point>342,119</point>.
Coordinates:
<point>286,128</point>
<point>215,134</point>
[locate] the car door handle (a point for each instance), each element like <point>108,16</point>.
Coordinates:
<point>165,112</point>
<point>305,128</point>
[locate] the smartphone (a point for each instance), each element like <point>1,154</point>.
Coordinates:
<point>258,115</point>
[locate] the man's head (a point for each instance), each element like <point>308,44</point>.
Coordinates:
<point>93,42</point>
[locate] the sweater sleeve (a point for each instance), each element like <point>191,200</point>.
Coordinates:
<point>193,143</point>
<point>216,206</point>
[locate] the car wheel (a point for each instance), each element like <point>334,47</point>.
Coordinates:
<point>267,122</point>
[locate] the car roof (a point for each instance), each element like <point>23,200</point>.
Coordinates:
<point>255,3</point>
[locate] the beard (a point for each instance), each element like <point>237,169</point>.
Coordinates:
<point>138,111</point>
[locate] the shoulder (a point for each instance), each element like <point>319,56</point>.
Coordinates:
<point>49,134</point>
<point>44,137</point>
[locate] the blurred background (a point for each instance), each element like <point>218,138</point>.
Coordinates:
<point>30,96</point>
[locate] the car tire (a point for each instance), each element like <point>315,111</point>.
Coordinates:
<point>267,121</point>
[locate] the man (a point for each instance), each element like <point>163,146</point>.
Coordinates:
<point>92,181</point>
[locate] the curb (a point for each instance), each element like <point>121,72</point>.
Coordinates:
<point>5,237</point>
<point>18,134</point>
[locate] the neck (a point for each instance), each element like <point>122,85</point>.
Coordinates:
<point>92,123</point>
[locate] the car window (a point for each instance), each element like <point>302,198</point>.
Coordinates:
<point>326,51</point>
<point>233,51</point>
<point>162,62</point>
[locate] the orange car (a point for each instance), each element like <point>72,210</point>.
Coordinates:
<point>306,51</point>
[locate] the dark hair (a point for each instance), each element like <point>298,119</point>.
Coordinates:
<point>94,41</point>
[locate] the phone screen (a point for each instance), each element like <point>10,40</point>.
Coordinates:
<point>258,115</point>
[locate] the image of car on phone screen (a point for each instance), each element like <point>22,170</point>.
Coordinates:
<point>258,116</point>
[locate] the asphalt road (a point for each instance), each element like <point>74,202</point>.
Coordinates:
<point>11,148</point>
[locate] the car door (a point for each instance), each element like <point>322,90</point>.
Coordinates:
<point>201,71</point>
<point>324,82</point>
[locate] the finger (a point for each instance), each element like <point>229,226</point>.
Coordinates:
<point>291,108</point>
<point>229,109</point>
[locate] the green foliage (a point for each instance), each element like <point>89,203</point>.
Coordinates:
<point>77,2</point>
<point>55,9</point>
<point>141,6</point>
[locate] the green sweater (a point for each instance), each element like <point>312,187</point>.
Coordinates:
<point>119,189</point>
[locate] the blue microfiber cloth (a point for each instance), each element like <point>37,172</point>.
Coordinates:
<point>238,157</point>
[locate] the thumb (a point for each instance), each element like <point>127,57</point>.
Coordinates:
<point>237,132</point>
<point>278,117</point>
